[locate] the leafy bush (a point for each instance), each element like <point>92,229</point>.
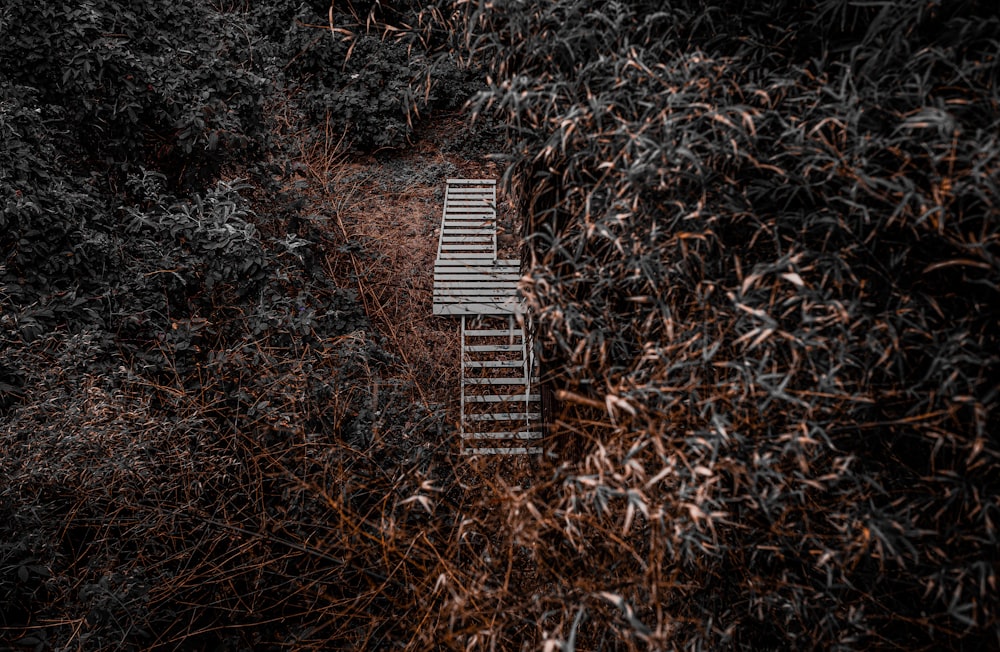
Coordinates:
<point>44,208</point>
<point>764,270</point>
<point>176,383</point>
<point>128,94</point>
<point>373,79</point>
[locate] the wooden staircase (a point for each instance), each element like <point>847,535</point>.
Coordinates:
<point>500,407</point>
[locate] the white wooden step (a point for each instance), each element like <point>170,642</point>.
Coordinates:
<point>503,398</point>
<point>508,307</point>
<point>490,348</point>
<point>470,280</point>
<point>493,364</point>
<point>505,416</point>
<point>482,182</point>
<point>517,332</point>
<point>522,434</point>
<point>472,256</point>
<point>499,381</point>
<point>467,237</point>
<point>473,266</point>
<point>533,450</point>
<point>466,246</point>
<point>462,291</point>
<point>453,215</point>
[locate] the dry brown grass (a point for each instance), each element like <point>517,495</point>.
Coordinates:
<point>388,219</point>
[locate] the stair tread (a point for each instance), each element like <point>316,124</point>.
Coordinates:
<point>503,398</point>
<point>530,450</point>
<point>493,348</point>
<point>494,333</point>
<point>521,434</point>
<point>505,416</point>
<point>499,381</point>
<point>492,364</point>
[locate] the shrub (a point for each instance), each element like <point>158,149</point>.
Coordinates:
<point>125,91</point>
<point>374,78</point>
<point>764,268</point>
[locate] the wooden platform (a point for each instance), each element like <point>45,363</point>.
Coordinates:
<point>468,278</point>
<point>474,288</point>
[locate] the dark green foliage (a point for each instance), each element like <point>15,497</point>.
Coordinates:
<point>370,96</point>
<point>367,84</point>
<point>177,379</point>
<point>766,239</point>
<point>44,208</point>
<point>128,92</point>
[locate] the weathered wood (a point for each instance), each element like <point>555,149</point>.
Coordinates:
<point>474,276</point>
<point>504,398</point>
<point>469,215</point>
<point>516,434</point>
<point>493,364</point>
<point>444,280</point>
<point>472,289</point>
<point>461,280</point>
<point>499,381</point>
<point>516,332</point>
<point>466,246</point>
<point>479,265</point>
<point>505,416</point>
<point>469,281</point>
<point>520,450</point>
<point>490,308</point>
<point>470,294</point>
<point>498,302</point>
<point>482,256</point>
<point>480,287</point>
<point>475,268</point>
<point>491,266</point>
<point>458,303</point>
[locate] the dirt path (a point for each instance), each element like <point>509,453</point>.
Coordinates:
<point>386,209</point>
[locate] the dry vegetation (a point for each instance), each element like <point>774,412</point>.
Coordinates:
<point>763,251</point>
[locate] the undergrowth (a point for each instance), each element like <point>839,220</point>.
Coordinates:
<point>762,263</point>
<point>764,272</point>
